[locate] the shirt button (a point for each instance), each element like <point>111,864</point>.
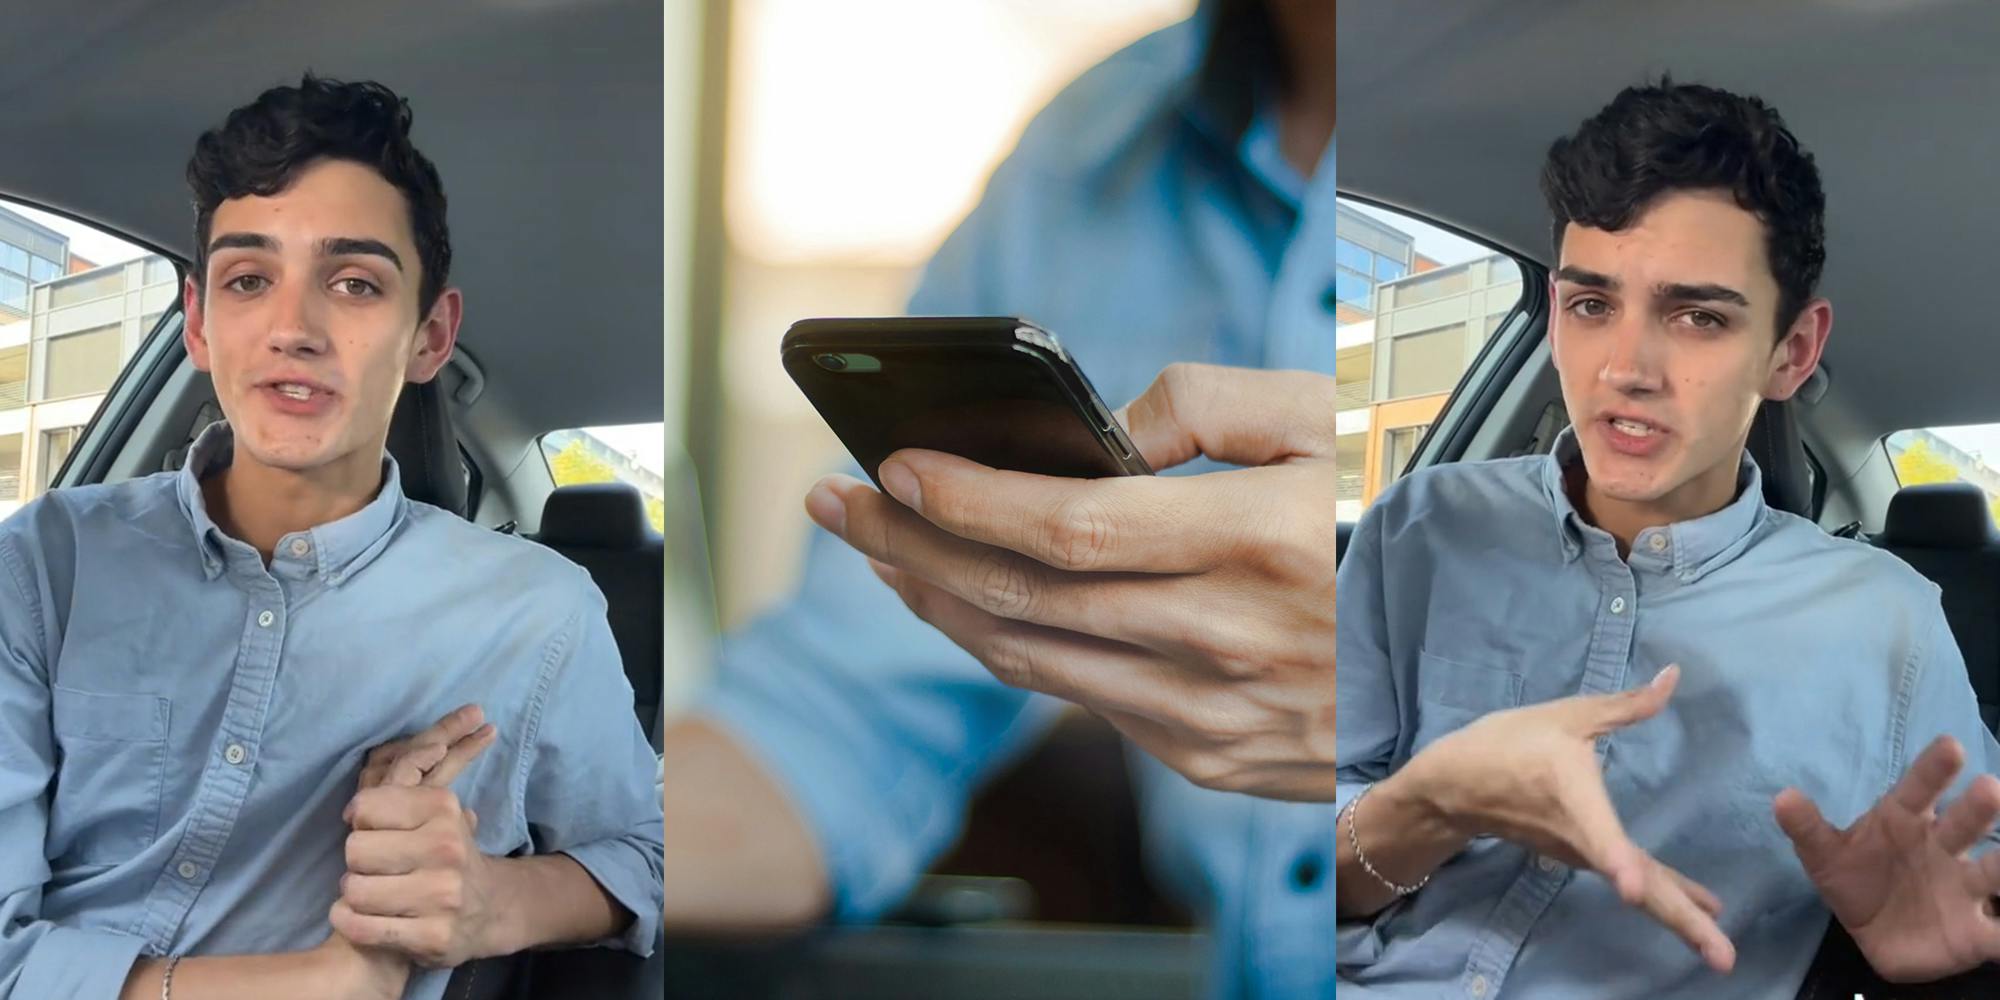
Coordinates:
<point>264,620</point>
<point>1547,864</point>
<point>235,754</point>
<point>1478,986</point>
<point>300,546</point>
<point>1617,606</point>
<point>188,870</point>
<point>1658,544</point>
<point>1307,872</point>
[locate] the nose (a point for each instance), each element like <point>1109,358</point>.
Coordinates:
<point>296,330</point>
<point>1633,365</point>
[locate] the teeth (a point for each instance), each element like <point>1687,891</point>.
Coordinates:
<point>1634,429</point>
<point>294,391</point>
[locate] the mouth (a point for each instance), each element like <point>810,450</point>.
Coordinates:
<point>1635,427</point>
<point>297,389</point>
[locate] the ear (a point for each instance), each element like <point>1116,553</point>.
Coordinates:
<point>436,336</point>
<point>1798,351</point>
<point>194,333</point>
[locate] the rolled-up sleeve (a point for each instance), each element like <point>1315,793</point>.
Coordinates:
<point>1366,705</point>
<point>38,959</point>
<point>591,790</point>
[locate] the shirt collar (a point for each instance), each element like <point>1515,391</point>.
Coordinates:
<point>1688,550</point>
<point>331,551</point>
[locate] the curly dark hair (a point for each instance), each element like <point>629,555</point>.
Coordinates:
<point>262,146</point>
<point>1657,138</point>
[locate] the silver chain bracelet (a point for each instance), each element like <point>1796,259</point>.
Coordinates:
<point>1354,841</point>
<point>167,980</point>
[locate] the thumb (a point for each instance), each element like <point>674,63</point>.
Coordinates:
<point>1240,416</point>
<point>1616,711</point>
<point>1811,835</point>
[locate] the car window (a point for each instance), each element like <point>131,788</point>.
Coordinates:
<point>75,304</point>
<point>631,453</point>
<point>1415,304</point>
<point>1949,455</point>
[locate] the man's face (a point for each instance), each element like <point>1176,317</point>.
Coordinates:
<point>1664,338</point>
<point>308,319</point>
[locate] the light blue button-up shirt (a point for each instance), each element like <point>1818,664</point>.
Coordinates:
<point>1142,230</point>
<point>180,727</point>
<point>1807,661</point>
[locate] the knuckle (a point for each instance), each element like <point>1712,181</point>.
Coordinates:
<point>352,851</point>
<point>1080,533</point>
<point>1013,660</point>
<point>1001,585</point>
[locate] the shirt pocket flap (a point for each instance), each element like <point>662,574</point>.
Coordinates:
<point>92,715</point>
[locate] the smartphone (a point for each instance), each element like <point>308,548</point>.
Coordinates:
<point>995,389</point>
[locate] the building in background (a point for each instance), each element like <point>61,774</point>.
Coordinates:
<point>1402,349</point>
<point>63,341</point>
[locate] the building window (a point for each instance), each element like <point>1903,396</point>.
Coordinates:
<point>13,292</point>
<point>1398,447</point>
<point>159,270</point>
<point>69,293</point>
<point>1352,256</point>
<point>13,378</point>
<point>56,446</point>
<point>1354,289</point>
<point>43,270</point>
<point>1422,364</point>
<point>1349,452</point>
<point>10,467</point>
<point>83,364</point>
<point>13,258</point>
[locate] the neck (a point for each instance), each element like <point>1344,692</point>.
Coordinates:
<point>259,504</point>
<point>1623,520</point>
<point>1306,108</point>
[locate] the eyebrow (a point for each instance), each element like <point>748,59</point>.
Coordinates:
<point>1672,291</point>
<point>332,246</point>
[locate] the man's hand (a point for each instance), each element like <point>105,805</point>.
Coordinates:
<point>1899,879</point>
<point>359,973</point>
<point>1194,613</point>
<point>1531,776</point>
<point>416,881</point>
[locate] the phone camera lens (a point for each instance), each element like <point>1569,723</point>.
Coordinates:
<point>831,362</point>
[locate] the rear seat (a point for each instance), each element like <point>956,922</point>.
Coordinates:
<point>602,528</point>
<point>1945,532</point>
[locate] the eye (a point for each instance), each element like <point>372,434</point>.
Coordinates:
<point>1590,308</point>
<point>358,287</point>
<point>1702,319</point>
<point>248,284</point>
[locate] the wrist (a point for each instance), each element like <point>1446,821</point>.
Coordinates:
<point>507,928</point>
<point>1419,797</point>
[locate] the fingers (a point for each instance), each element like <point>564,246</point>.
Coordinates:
<point>1971,817</point>
<point>397,895</point>
<point>1668,901</point>
<point>422,940</point>
<point>1600,714</point>
<point>1142,524</point>
<point>1599,838</point>
<point>385,852</point>
<point>1234,415</point>
<point>1812,837</point>
<point>407,769</point>
<point>460,754</point>
<point>1925,782</point>
<point>399,808</point>
<point>1709,902</point>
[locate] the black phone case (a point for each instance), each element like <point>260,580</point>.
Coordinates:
<point>872,426</point>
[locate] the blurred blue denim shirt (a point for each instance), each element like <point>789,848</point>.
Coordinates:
<point>1140,226</point>
<point>180,727</point>
<point>1806,660</point>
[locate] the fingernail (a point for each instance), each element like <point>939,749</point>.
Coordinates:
<point>826,509</point>
<point>884,571</point>
<point>1665,675</point>
<point>901,483</point>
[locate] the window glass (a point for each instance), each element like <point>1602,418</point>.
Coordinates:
<point>56,445</point>
<point>13,258</point>
<point>83,363</point>
<point>1395,368</point>
<point>1949,455</point>
<point>13,292</point>
<point>634,454</point>
<point>1352,257</point>
<point>42,270</point>
<point>10,468</point>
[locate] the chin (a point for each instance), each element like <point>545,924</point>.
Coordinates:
<point>289,455</point>
<point>1628,480</point>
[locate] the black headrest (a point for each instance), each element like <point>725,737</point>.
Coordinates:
<point>1781,458</point>
<point>596,515</point>
<point>426,448</point>
<point>1938,516</point>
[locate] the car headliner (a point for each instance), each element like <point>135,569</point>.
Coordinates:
<point>1448,109</point>
<point>543,116</point>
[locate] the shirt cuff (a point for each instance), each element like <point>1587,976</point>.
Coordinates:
<point>87,965</point>
<point>620,866</point>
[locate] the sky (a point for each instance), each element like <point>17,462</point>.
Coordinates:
<point>91,244</point>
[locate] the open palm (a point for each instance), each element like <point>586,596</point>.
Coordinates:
<point>1899,879</point>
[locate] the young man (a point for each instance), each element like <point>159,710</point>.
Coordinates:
<point>194,664</point>
<point>1588,701</point>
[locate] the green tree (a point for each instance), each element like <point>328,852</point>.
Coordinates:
<point>574,465</point>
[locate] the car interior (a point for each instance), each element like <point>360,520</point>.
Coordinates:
<point>1460,107</point>
<point>545,121</point>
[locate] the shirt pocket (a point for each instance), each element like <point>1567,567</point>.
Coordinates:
<point>110,775</point>
<point>1451,694</point>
